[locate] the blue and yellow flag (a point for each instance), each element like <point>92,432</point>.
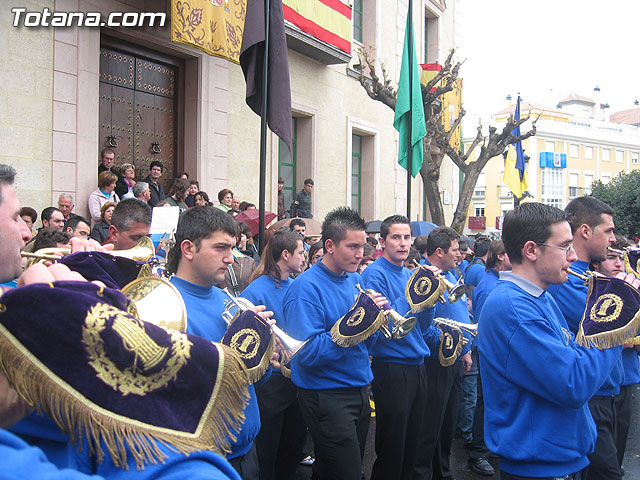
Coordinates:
<point>409,108</point>
<point>514,175</point>
<point>213,26</point>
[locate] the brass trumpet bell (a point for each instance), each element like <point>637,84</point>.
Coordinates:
<point>401,325</point>
<point>456,292</point>
<point>156,300</point>
<point>289,346</point>
<point>471,328</point>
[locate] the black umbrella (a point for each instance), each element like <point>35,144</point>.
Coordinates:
<point>373,227</point>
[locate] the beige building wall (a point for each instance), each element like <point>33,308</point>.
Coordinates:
<point>49,105</point>
<point>26,94</point>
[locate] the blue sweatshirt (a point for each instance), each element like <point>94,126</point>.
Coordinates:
<point>263,291</point>
<point>631,366</point>
<point>204,318</point>
<point>482,291</point>
<point>390,280</point>
<point>536,382</point>
<point>21,460</point>
<point>314,303</point>
<point>474,274</point>
<point>571,297</point>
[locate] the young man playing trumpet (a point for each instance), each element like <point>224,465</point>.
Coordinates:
<point>279,443</point>
<point>203,249</point>
<point>537,381</point>
<point>592,226</point>
<point>332,380</point>
<point>399,377</point>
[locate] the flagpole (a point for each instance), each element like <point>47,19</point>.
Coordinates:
<point>263,127</point>
<point>410,26</point>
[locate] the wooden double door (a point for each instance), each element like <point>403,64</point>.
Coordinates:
<point>138,110</point>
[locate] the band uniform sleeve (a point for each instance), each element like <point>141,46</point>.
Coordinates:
<point>310,324</point>
<point>577,372</point>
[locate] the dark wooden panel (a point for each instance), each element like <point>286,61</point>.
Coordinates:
<point>165,133</point>
<point>116,121</point>
<point>117,68</point>
<point>155,78</point>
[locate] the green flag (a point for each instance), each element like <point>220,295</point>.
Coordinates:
<point>410,111</point>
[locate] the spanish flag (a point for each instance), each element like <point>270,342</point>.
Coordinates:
<point>515,176</point>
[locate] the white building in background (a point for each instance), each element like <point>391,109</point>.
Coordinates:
<point>67,93</point>
<point>575,144</point>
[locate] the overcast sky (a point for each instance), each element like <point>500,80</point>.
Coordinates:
<point>545,49</point>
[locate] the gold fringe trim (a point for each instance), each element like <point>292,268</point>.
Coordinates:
<point>343,341</point>
<point>426,303</point>
<point>447,362</point>
<point>628,267</point>
<point>611,338</point>
<point>286,371</point>
<point>257,372</point>
<point>78,417</point>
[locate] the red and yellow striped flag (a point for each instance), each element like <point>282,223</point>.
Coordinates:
<point>327,20</point>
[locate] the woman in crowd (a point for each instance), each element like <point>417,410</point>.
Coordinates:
<point>126,181</point>
<point>225,196</point>
<point>103,194</point>
<point>100,231</point>
<point>178,193</point>
<point>29,216</point>
<point>201,199</point>
<point>315,253</point>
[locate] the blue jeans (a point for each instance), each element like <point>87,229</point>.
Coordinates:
<point>467,406</point>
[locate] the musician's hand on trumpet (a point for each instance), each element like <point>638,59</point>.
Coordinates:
<point>88,245</point>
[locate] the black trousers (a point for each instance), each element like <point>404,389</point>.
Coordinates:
<point>478,447</point>
<point>338,420</point>
<point>439,420</point>
<point>400,392</point>
<point>581,475</point>
<point>604,459</point>
<point>623,419</point>
<point>282,431</point>
<point>247,464</point>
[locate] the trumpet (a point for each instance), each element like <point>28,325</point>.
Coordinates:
<point>456,290</point>
<point>289,346</point>
<point>142,251</point>
<point>471,328</point>
<point>401,325</point>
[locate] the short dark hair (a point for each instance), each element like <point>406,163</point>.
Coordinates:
<point>297,221</point>
<point>74,221</point>
<point>414,256</point>
<point>338,221</point>
<point>107,150</point>
<point>47,212</point>
<point>372,241</point>
<point>280,180</point>
<point>196,224</point>
<point>495,248</point>
<point>7,176</point>
<point>130,211</point>
<point>28,211</point>
<point>392,220</point>
<point>308,181</point>
<point>194,182</point>
<point>481,247</point>
<point>50,237</point>
<point>441,237</point>
<point>420,243</point>
<point>528,222</point>
<point>204,196</point>
<point>587,211</point>
<point>156,163</point>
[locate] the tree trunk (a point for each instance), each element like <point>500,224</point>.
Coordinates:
<point>430,175</point>
<point>466,192</point>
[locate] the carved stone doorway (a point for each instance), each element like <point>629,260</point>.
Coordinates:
<point>138,108</point>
